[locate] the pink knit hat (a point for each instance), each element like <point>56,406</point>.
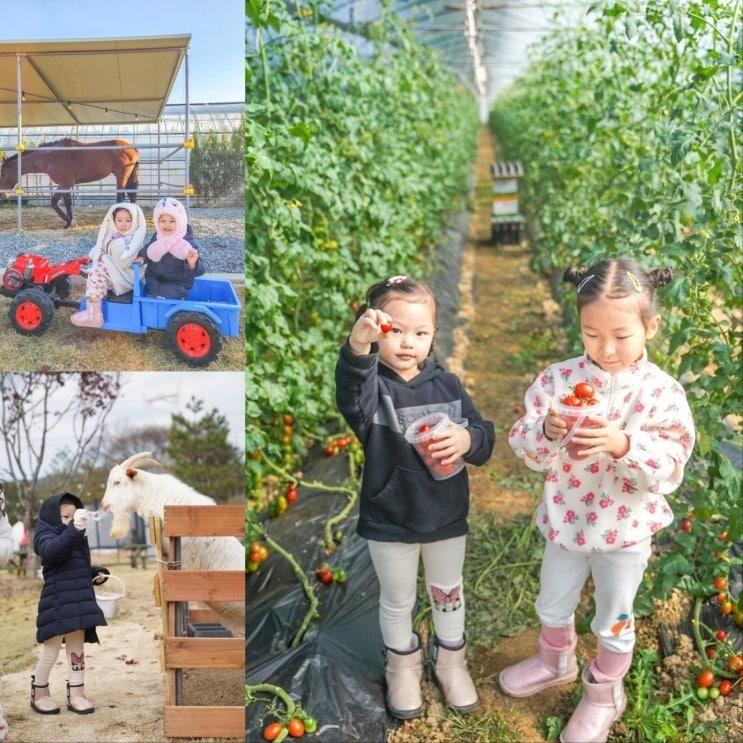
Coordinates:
<point>174,243</point>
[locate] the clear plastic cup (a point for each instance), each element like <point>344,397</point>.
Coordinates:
<point>432,425</point>
<point>575,417</point>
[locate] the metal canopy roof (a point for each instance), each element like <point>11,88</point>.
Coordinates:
<point>484,43</point>
<point>89,81</point>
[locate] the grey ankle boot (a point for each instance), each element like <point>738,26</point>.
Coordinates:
<point>403,671</point>
<point>453,678</point>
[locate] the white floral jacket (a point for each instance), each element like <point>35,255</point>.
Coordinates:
<point>605,503</point>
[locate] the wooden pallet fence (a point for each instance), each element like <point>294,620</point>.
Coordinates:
<point>173,589</point>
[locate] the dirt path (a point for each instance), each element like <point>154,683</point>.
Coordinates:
<point>123,679</point>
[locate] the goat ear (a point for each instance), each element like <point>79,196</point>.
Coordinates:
<point>131,474</point>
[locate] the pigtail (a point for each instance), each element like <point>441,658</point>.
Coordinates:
<point>660,277</point>
<point>575,274</point>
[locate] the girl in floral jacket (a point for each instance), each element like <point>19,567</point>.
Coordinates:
<point>604,496</point>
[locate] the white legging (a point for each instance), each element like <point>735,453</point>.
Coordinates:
<point>74,643</point>
<point>396,565</point>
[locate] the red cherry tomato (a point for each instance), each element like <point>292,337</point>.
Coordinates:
<point>710,653</point>
<point>592,401</point>
<point>329,451</point>
<point>727,607</point>
<point>288,420</point>
<point>685,525</point>
<point>721,635</point>
<point>272,731</point>
<point>386,327</point>
<point>720,583</point>
<point>296,728</point>
<point>723,537</point>
<point>571,401</point>
<point>721,598</point>
<point>725,688</point>
<point>735,663</point>
<point>705,679</point>
<point>583,389</point>
<point>292,495</point>
<point>425,428</point>
<point>325,576</point>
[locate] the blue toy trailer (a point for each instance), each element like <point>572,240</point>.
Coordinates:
<point>194,326</point>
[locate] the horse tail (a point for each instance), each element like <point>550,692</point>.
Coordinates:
<point>132,184</point>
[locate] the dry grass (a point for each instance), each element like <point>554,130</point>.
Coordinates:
<point>65,347</point>
<point>43,218</point>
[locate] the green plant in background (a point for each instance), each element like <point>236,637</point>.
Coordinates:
<point>354,158</point>
<point>627,126</point>
<point>217,167</point>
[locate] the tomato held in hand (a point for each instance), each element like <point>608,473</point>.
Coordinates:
<point>296,728</point>
<point>584,390</point>
<point>386,327</point>
<point>705,679</point>
<point>425,428</point>
<point>571,401</point>
<point>272,731</point>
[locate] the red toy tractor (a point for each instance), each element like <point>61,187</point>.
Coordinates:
<point>51,284</point>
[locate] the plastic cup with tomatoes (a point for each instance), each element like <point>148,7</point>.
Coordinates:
<point>576,415</point>
<point>422,433</point>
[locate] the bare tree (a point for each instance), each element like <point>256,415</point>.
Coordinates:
<point>33,406</point>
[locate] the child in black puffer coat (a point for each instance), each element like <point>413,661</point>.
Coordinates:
<point>68,611</point>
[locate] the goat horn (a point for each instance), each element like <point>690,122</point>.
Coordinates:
<point>143,458</point>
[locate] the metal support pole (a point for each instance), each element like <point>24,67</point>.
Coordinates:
<point>187,150</point>
<point>159,121</point>
<point>19,92</point>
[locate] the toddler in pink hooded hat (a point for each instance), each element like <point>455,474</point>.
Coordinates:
<point>171,256</point>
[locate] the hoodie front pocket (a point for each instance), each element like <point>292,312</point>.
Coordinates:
<point>414,500</point>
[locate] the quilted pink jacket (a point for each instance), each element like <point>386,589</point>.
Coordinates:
<point>605,504</point>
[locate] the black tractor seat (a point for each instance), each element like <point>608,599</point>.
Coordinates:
<point>127,298</point>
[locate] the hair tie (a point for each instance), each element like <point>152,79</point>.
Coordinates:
<point>396,279</point>
<point>635,282</point>
<point>584,282</point>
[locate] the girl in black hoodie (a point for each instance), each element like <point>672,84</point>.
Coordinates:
<point>68,611</point>
<point>386,379</point>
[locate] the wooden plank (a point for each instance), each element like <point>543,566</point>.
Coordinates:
<point>204,585</point>
<point>204,722</point>
<point>205,521</point>
<point>204,652</point>
<point>204,615</point>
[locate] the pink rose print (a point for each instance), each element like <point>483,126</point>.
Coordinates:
<point>606,501</point>
<point>574,482</point>
<point>543,451</point>
<point>558,499</point>
<point>545,519</point>
<point>551,476</point>
<point>570,517</point>
<point>627,397</point>
<point>592,518</point>
<point>639,407</point>
<point>628,544</point>
<point>545,380</point>
<point>652,412</point>
<point>647,376</point>
<point>553,534</point>
<point>650,506</point>
<point>652,464</point>
<point>588,498</point>
<point>565,373</point>
<point>566,468</point>
<point>663,435</point>
<point>511,433</point>
<point>657,392</point>
<point>666,510</point>
<point>593,468</point>
<point>610,536</point>
<point>623,512</point>
<point>655,526</point>
<point>537,402</point>
<point>614,415</point>
<point>579,539</point>
<point>627,486</point>
<point>635,523</point>
<point>581,364</point>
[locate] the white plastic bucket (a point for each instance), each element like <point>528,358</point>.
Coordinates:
<point>109,601</point>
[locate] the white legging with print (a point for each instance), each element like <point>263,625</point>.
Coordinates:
<point>74,643</point>
<point>396,565</point>
<point>616,577</point>
<point>98,282</point>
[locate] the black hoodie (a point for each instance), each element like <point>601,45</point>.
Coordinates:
<point>67,600</point>
<point>400,500</point>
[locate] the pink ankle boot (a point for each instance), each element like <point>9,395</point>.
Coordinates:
<point>601,705</point>
<point>90,317</point>
<point>551,666</point>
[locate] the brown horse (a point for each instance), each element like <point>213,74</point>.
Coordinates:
<point>65,169</point>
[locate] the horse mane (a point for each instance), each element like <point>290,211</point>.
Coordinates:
<point>65,142</point>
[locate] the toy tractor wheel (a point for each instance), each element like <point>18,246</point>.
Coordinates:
<point>31,312</point>
<point>193,338</point>
<point>13,282</point>
<point>62,286</point>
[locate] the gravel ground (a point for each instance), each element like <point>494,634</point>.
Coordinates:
<point>220,233</point>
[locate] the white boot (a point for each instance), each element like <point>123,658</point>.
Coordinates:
<point>403,671</point>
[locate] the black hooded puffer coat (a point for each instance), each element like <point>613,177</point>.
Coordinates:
<point>67,600</point>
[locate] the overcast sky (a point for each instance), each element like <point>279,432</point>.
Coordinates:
<point>217,28</point>
<point>152,397</point>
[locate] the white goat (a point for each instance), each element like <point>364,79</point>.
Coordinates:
<point>133,490</point>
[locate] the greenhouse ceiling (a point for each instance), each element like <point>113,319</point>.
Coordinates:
<point>484,43</point>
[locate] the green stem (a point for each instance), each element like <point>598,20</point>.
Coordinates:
<point>309,592</point>
<point>342,515</point>
<point>695,624</point>
<point>277,691</point>
<point>312,484</point>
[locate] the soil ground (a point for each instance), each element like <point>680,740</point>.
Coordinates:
<point>123,676</point>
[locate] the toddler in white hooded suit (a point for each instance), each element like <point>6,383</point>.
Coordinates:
<point>6,552</point>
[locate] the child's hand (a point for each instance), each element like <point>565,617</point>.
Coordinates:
<point>367,331</point>
<point>453,443</point>
<point>555,427</point>
<point>100,578</point>
<point>191,257</point>
<point>80,519</point>
<point>603,437</point>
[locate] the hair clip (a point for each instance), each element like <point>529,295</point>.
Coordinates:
<point>635,282</point>
<point>584,282</point>
<point>397,279</point>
